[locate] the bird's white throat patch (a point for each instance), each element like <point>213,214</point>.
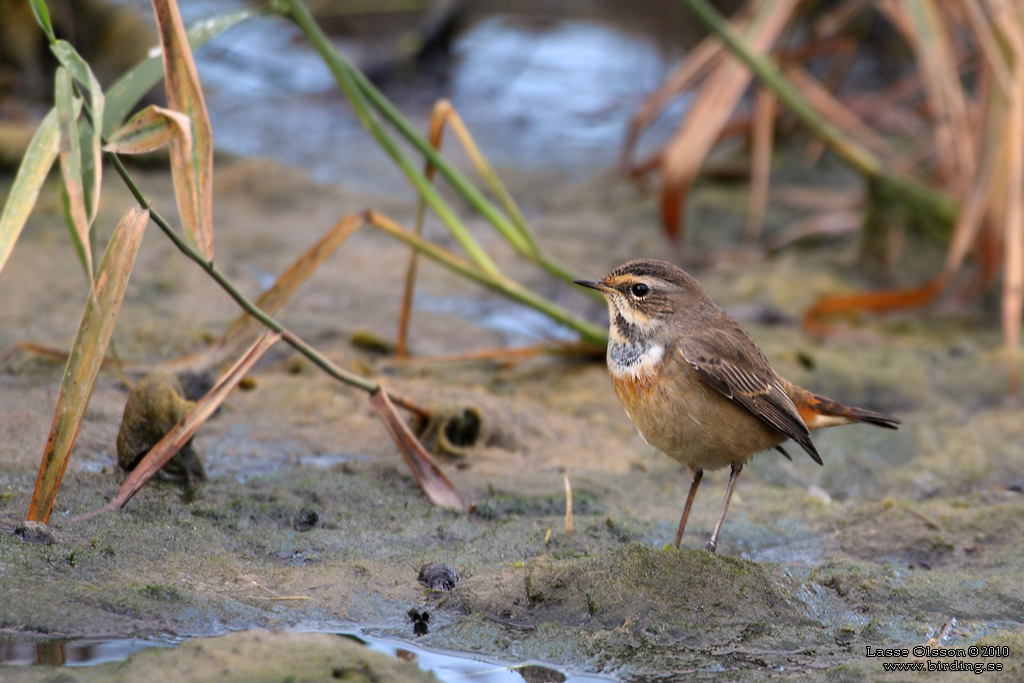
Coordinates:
<point>634,360</point>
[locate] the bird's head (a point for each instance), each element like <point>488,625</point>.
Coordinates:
<point>645,295</point>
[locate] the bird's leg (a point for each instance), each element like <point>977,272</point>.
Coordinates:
<point>697,475</point>
<point>713,541</point>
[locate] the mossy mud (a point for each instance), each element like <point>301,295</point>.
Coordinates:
<point>309,516</point>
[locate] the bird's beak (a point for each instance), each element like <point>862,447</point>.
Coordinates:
<point>595,284</point>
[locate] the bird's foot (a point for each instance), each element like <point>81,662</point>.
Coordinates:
<point>711,546</point>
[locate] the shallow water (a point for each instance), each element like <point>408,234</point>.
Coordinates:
<point>553,95</point>
<point>448,667</point>
<point>24,650</point>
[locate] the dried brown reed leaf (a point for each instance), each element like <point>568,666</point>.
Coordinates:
<point>1012,28</point>
<point>179,435</point>
<point>989,46</point>
<point>977,204</point>
<point>992,189</point>
<point>149,130</point>
<point>191,165</point>
<point>429,476</point>
<point>969,233</point>
<point>90,345</point>
<point>710,111</point>
<point>876,302</point>
<point>762,136</point>
<point>697,63</point>
<point>922,25</point>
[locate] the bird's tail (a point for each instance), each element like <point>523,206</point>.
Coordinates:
<point>819,412</point>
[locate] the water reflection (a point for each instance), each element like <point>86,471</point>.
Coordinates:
<point>448,667</point>
<point>463,668</point>
<point>76,652</point>
<point>554,95</point>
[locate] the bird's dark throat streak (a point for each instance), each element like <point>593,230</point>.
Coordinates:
<point>626,354</point>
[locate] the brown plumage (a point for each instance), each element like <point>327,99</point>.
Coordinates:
<point>696,385</point>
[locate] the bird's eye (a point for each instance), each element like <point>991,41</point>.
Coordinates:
<point>640,290</point>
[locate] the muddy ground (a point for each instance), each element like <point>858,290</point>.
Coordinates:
<point>311,517</point>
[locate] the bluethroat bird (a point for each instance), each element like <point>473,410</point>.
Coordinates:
<point>695,384</point>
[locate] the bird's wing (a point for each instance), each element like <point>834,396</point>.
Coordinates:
<point>729,362</point>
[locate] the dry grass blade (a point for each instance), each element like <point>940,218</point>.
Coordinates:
<point>86,358</point>
<point>191,166</point>
<point>762,134</point>
<point>436,136</point>
<point>710,111</point>
<point>817,198</point>
<point>179,435</point>
<point>35,165</point>
<point>988,44</point>
<point>832,224</point>
<point>446,114</point>
<point>68,108</point>
<point>967,233</point>
<point>568,504</point>
<point>429,476</point>
<point>922,26</point>
<point>834,110</point>
<point>245,326</point>
<point>695,65</point>
<point>972,215</point>
<point>518,233</point>
<point>149,130</point>
<point>1013,238</point>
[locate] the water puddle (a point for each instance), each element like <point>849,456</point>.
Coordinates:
<point>26,651</point>
<point>236,455</point>
<point>552,94</point>
<point>518,325</point>
<point>449,667</point>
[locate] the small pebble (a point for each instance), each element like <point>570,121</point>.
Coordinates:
<point>438,576</point>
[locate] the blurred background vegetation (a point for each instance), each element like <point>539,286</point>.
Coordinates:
<point>895,123</point>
